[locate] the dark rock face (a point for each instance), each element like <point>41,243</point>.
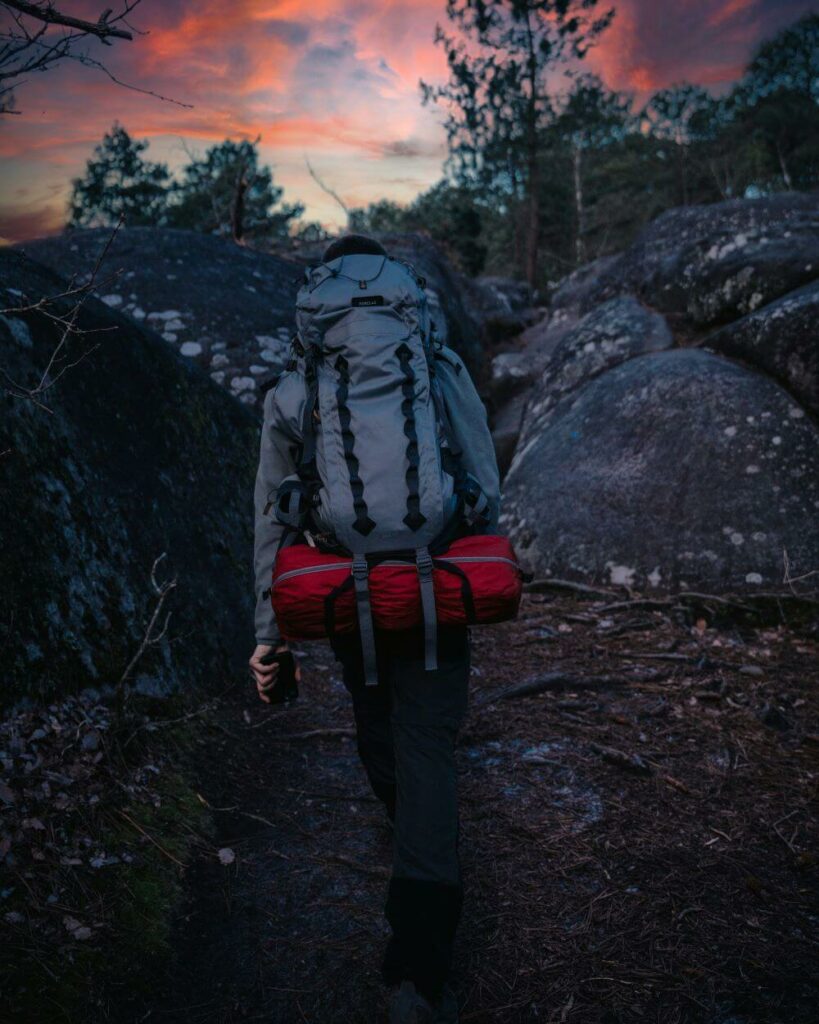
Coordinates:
<point>781,339</point>
<point>614,332</point>
<point>561,354</point>
<point>677,467</point>
<point>709,263</point>
<point>228,308</point>
<point>502,306</point>
<point>143,455</point>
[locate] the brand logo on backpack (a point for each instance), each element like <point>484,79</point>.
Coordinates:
<point>368,300</point>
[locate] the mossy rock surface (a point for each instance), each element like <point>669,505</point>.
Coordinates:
<point>138,454</point>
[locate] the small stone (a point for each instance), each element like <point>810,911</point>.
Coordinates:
<point>247,398</point>
<point>256,369</point>
<point>112,299</point>
<point>19,329</point>
<point>751,670</point>
<point>220,359</point>
<point>91,740</point>
<point>226,855</point>
<point>169,336</point>
<point>138,313</point>
<point>191,348</point>
<point>243,384</point>
<point>218,376</point>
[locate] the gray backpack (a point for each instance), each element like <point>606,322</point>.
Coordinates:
<point>380,471</point>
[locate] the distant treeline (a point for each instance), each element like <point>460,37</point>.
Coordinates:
<point>536,183</point>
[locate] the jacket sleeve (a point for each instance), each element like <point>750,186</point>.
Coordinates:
<point>467,416</point>
<point>275,463</point>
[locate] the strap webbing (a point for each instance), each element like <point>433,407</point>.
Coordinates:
<point>414,518</point>
<point>363,523</point>
<point>423,561</point>
<point>365,619</point>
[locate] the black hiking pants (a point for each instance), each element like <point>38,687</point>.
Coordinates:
<point>407,726</point>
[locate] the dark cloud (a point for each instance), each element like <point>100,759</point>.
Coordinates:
<point>294,33</point>
<point>17,225</point>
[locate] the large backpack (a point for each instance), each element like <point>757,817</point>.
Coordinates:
<point>380,469</point>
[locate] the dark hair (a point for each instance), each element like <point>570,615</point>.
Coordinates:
<point>349,245</point>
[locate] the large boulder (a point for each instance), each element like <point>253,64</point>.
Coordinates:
<point>226,307</point>
<point>673,468</point>
<point>138,454</point>
<point>711,263</point>
<point>782,340</point>
<point>614,332</point>
<point>564,353</point>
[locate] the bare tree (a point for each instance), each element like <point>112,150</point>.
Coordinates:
<point>35,36</point>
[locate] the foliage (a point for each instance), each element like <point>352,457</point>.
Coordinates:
<point>117,183</point>
<point>577,173</point>
<point>450,214</point>
<point>226,192</point>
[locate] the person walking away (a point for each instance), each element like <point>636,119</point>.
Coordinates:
<point>328,471</point>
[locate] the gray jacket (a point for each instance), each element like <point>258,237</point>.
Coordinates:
<point>281,438</point>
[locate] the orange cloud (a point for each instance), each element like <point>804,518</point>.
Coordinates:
<point>330,78</point>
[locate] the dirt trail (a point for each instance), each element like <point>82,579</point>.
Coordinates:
<point>680,886</point>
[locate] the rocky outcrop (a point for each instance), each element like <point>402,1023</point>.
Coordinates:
<point>709,264</point>
<point>225,307</point>
<point>781,339</point>
<point>676,468</point>
<point>560,353</point>
<point>229,308</point>
<point>651,451</point>
<point>140,455</point>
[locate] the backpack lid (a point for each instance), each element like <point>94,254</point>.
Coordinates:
<point>355,267</point>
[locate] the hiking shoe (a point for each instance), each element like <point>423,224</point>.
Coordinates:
<point>445,1010</point>
<point>408,1006</point>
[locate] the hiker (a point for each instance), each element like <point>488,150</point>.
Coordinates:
<point>345,413</point>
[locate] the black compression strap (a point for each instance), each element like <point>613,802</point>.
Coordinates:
<point>307,462</point>
<point>414,518</point>
<point>466,587</point>
<point>330,604</point>
<point>363,524</point>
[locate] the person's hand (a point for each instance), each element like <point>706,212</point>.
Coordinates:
<point>264,675</point>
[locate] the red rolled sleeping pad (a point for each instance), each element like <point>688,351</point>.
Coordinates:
<point>477,580</point>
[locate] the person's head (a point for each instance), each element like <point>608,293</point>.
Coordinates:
<point>350,245</point>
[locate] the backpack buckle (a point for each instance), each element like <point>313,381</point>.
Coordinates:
<point>360,569</point>
<point>423,560</point>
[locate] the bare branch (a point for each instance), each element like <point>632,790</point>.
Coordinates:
<point>155,631</point>
<point>328,190</point>
<point>48,14</point>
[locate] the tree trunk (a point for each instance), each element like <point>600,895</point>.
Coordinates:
<point>237,207</point>
<point>533,225</point>
<point>579,208</point>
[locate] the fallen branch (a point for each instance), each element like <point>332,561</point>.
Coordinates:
<point>539,586</point>
<point>553,681</point>
<point>316,733</point>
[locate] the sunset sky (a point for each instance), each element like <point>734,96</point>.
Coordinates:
<point>333,81</point>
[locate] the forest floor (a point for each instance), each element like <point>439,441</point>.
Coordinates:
<point>639,837</point>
